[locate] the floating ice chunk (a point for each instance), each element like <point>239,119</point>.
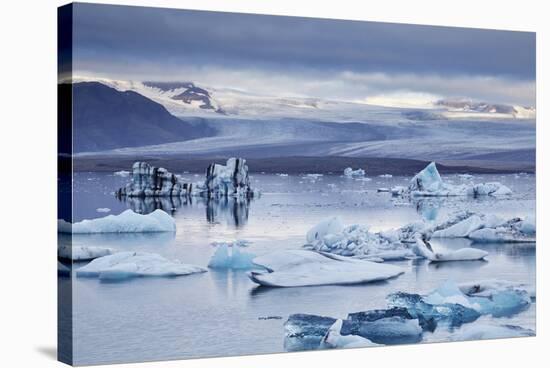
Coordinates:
<point>488,331</point>
<point>306,331</point>
<point>383,190</point>
<point>103,210</point>
<point>293,268</point>
<point>122,173</point>
<point>384,326</point>
<point>428,183</point>
<point>465,176</point>
<point>356,240</point>
<point>499,298</point>
<point>528,225</point>
<point>82,253</point>
<point>282,175</point>
<point>423,249</point>
<point>334,339</point>
<point>486,228</point>
<point>492,189</point>
<point>228,180</point>
<point>124,265</point>
<point>127,222</point>
<point>150,181</point>
<point>461,229</point>
<point>350,172</point>
<point>385,176</point>
<point>226,257</point>
<point>331,225</point>
<point>427,180</point>
<point>398,190</point>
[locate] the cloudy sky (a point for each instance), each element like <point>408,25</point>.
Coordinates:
<point>288,56</point>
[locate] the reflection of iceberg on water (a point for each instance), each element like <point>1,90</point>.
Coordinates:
<point>234,211</point>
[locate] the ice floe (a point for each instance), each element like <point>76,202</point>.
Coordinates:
<point>82,253</point>
<point>124,265</point>
<point>486,228</point>
<point>332,236</point>
<point>231,257</point>
<point>126,222</point>
<point>350,172</point>
<point>449,304</point>
<point>122,173</point>
<point>293,268</point>
<point>447,310</point>
<point>428,183</point>
<point>335,340</point>
<point>423,249</point>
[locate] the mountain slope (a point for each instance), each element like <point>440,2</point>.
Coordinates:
<point>104,118</point>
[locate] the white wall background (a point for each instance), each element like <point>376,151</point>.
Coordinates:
<point>28,179</point>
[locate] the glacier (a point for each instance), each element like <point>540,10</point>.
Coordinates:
<point>294,268</point>
<point>126,222</point>
<point>125,265</point>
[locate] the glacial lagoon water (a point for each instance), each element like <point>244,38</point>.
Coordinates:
<point>222,312</point>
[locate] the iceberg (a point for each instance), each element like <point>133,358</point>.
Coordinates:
<point>499,298</point>
<point>428,183</point>
<point>230,257</point>
<point>457,304</point>
<point>423,249</point>
<point>335,340</point>
<point>103,210</point>
<point>349,172</point>
<point>80,253</point>
<point>331,236</point>
<point>150,181</point>
<point>127,222</point>
<point>306,331</point>
<point>125,265</point>
<point>228,180</point>
<point>328,226</point>
<point>385,176</point>
<point>384,326</point>
<point>294,268</point>
<point>487,228</point>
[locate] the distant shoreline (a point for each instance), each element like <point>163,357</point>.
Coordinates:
<point>299,165</point>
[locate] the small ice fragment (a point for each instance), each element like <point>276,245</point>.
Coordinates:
<point>226,257</point>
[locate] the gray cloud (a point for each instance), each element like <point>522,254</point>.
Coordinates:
<point>345,59</point>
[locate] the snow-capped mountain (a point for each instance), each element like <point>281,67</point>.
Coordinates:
<point>457,107</point>
<point>185,99</point>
